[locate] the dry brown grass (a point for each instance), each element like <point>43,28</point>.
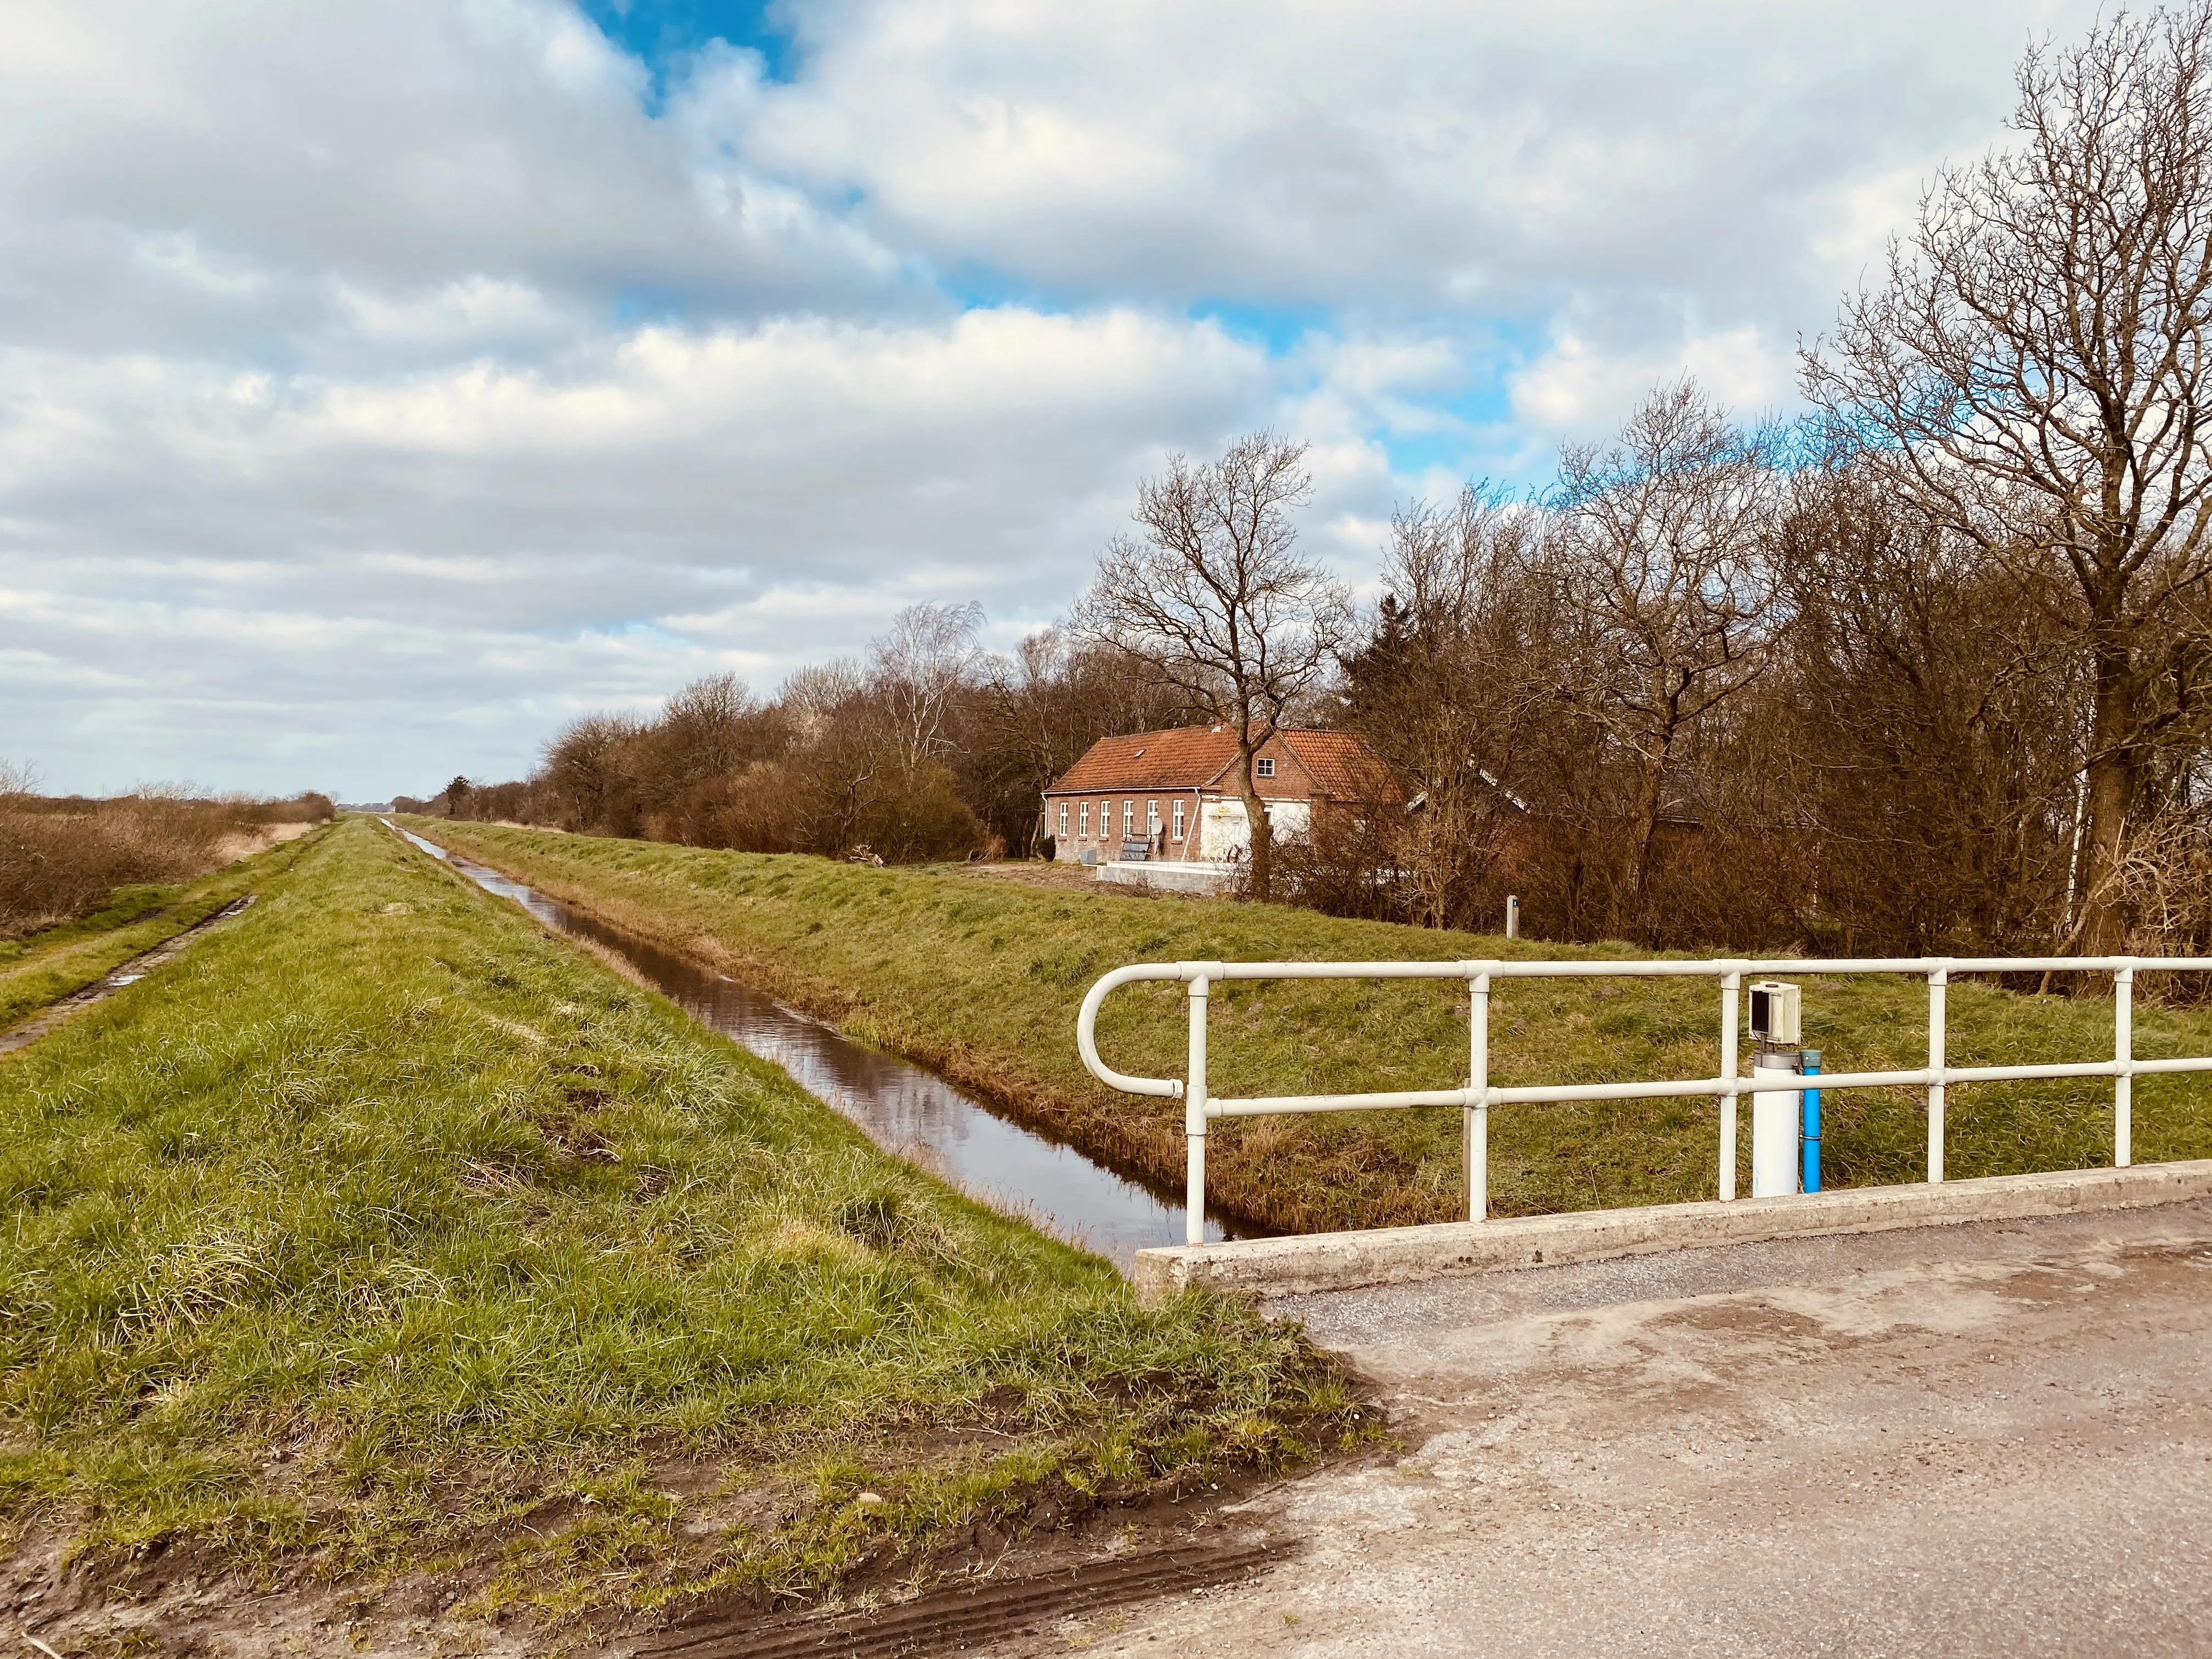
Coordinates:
<point>62,858</point>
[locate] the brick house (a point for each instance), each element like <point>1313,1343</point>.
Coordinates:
<point>1175,795</point>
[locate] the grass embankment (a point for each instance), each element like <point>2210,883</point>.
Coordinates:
<point>385,1231</point>
<point>980,979</point>
<point>42,968</point>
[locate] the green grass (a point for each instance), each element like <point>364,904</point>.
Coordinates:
<point>381,1220</point>
<point>42,968</point>
<point>980,978</point>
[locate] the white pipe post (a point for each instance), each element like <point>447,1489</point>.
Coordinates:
<point>2123,1054</point>
<point>1475,1121</point>
<point>1513,917</point>
<point>1731,985</point>
<point>1193,1118</point>
<point>1937,979</point>
<point>1777,1111</point>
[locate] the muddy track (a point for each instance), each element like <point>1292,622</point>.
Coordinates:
<point>967,1616</point>
<point>129,973</point>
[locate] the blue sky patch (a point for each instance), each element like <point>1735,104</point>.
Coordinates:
<point>661,34</point>
<point>1278,328</point>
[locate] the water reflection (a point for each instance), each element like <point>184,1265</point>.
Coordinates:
<point>901,1108</point>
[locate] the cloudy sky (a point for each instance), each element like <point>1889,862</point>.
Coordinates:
<point>382,385</point>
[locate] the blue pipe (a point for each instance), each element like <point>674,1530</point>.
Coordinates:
<point>1809,1133</point>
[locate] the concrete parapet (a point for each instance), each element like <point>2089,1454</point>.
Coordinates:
<point>1169,876</point>
<point>1390,1255</point>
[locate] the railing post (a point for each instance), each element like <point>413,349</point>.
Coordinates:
<point>1193,1118</point>
<point>1937,980</point>
<point>2124,1052</point>
<point>1475,1121</point>
<point>1731,986</point>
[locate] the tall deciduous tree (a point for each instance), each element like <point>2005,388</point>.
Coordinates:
<point>2032,379</point>
<point>1665,551</point>
<point>920,667</point>
<point>1214,596</point>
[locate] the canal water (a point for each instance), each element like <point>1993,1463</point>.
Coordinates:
<point>901,1108</point>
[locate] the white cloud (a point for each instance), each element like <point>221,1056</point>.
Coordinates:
<point>694,482</point>
<point>1410,155</point>
<point>1577,389</point>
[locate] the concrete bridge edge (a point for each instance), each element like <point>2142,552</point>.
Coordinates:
<point>1311,1262</point>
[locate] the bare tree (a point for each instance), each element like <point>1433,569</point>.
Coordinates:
<point>821,697</point>
<point>2033,379</point>
<point>920,667</point>
<point>1929,718</point>
<point>842,751</point>
<point>711,728</point>
<point>1665,553</point>
<point>590,767</point>
<point>1038,711</point>
<point>1453,678</point>
<point>1214,597</point>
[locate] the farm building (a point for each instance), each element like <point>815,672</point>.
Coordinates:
<point>1175,795</point>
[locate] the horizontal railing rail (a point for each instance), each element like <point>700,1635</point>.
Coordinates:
<point>1478,1095</point>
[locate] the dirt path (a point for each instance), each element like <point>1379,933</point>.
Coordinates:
<point>1994,1439</point>
<point>130,973</point>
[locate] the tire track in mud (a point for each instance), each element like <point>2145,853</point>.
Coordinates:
<point>961,1617</point>
<point>129,973</point>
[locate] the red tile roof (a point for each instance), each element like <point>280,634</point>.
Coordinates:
<point>1343,768</point>
<point>1194,757</point>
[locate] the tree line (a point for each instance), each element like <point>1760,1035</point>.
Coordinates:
<point>1924,670</point>
<point>928,747</point>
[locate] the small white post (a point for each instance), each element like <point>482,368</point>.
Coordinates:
<point>1513,917</point>
<point>1936,981</point>
<point>1731,985</point>
<point>1475,1121</point>
<point>2124,1051</point>
<point>1193,1118</point>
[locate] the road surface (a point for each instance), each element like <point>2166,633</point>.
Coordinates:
<point>1994,1438</point>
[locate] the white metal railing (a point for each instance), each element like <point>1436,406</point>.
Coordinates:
<point>1478,1095</point>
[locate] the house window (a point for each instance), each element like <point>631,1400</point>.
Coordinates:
<point>1063,818</point>
<point>1152,819</point>
<point>1128,819</point>
<point>1178,820</point>
<point>1084,813</point>
<point>1266,767</point>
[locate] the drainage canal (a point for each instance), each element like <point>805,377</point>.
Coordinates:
<point>901,1108</point>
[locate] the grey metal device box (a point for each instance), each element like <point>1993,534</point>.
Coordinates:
<point>1774,1017</point>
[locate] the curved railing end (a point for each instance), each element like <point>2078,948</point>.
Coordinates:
<point>1087,1036</point>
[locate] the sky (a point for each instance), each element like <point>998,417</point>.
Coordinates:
<point>384,385</point>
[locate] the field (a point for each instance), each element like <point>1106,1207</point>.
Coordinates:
<point>384,1234</point>
<point>980,978</point>
<point>65,859</point>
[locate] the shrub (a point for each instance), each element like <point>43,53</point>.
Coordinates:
<point>62,857</point>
